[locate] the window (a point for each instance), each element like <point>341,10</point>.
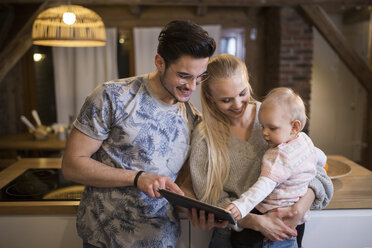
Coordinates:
<point>124,54</point>
<point>232,42</point>
<point>44,94</point>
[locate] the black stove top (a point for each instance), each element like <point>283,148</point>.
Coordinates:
<point>41,185</point>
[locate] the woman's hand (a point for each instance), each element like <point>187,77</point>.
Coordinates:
<point>289,221</point>
<point>300,207</point>
<point>271,224</point>
<point>204,221</point>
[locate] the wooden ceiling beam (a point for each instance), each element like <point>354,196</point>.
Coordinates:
<point>6,18</point>
<point>135,10</point>
<point>357,14</point>
<point>201,10</point>
<point>338,42</point>
<point>209,3</point>
<point>19,45</point>
<point>367,155</point>
<point>370,43</point>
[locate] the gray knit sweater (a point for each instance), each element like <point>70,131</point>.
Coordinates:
<point>245,166</point>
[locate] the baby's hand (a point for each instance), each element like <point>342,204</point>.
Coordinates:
<point>234,211</point>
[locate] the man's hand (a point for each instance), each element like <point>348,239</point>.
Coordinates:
<point>150,183</point>
<point>204,222</point>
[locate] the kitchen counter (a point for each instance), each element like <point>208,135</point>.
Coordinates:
<point>34,207</point>
<point>26,141</point>
<point>353,191</point>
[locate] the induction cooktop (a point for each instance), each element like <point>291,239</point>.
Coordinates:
<point>41,185</point>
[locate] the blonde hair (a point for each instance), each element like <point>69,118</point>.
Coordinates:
<point>288,99</point>
<point>215,127</point>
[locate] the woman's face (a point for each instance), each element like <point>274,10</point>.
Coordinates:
<point>231,95</point>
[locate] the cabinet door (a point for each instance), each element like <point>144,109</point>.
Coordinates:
<point>339,228</point>
<point>185,234</point>
<point>35,231</point>
<point>199,238</point>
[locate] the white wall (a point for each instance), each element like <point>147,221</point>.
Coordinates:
<point>338,101</point>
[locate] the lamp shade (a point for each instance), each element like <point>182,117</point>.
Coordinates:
<point>68,26</point>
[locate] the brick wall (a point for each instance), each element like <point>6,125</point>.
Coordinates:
<point>296,52</point>
<point>289,52</point>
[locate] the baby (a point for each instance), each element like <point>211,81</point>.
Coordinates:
<point>288,165</point>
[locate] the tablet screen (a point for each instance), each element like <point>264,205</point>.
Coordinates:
<point>187,202</point>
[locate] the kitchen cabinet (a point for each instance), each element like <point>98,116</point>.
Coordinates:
<point>35,231</point>
<point>326,229</point>
<point>341,228</point>
<point>55,231</point>
<point>345,223</point>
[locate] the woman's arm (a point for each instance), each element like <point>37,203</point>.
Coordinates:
<point>275,223</point>
<point>301,207</point>
<point>271,224</point>
<point>318,195</point>
<point>321,185</point>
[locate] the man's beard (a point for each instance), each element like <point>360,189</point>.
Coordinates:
<point>161,78</point>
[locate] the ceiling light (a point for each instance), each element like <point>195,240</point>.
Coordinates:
<point>68,26</point>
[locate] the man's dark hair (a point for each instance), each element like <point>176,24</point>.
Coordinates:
<point>180,38</point>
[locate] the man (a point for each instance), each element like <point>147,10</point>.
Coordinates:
<point>131,138</point>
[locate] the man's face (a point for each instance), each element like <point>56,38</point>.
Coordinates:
<point>180,78</point>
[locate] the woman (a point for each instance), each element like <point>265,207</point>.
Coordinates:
<point>226,152</point>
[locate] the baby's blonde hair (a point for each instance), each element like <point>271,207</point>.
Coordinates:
<point>288,99</point>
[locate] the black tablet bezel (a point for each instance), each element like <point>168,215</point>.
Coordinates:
<point>220,214</point>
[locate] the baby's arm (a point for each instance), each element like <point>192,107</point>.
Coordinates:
<point>234,211</point>
<point>254,195</point>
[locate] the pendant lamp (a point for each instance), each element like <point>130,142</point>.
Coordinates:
<point>68,26</point>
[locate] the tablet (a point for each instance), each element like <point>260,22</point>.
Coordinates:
<point>187,202</point>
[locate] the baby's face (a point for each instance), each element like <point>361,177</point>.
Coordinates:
<point>276,125</point>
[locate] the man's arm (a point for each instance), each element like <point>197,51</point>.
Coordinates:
<point>78,166</point>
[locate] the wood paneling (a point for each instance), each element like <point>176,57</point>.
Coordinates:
<point>237,3</point>
<point>355,15</point>
<point>18,46</point>
<point>367,156</point>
